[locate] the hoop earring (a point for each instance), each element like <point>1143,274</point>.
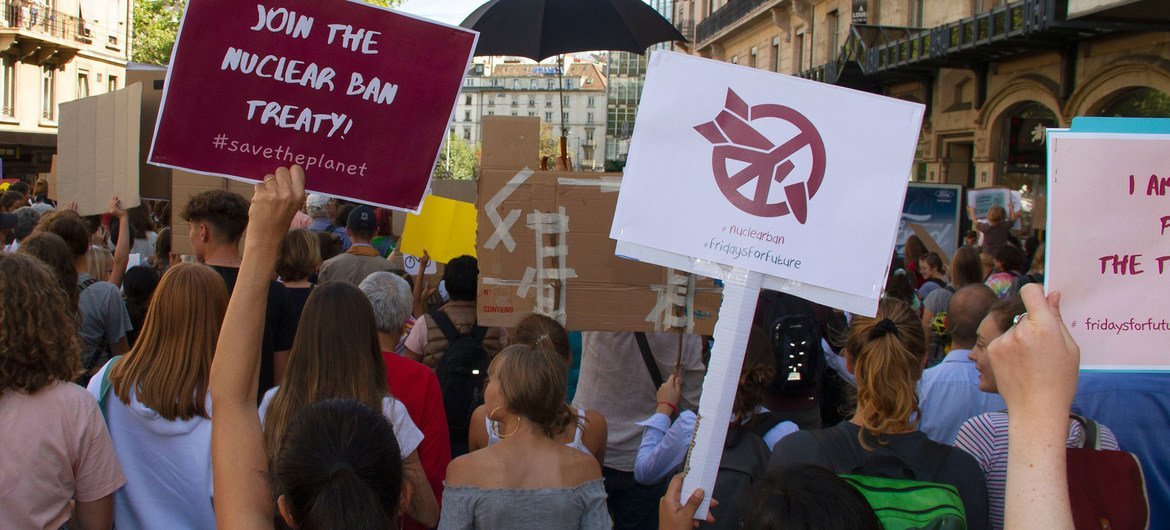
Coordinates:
<point>493,424</point>
<point>502,436</point>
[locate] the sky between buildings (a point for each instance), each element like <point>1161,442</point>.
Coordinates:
<point>447,11</point>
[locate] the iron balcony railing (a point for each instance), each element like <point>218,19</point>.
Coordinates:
<point>1000,24</point>
<point>36,16</point>
<point>725,17</point>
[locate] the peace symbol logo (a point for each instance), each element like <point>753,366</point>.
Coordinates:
<point>736,140</point>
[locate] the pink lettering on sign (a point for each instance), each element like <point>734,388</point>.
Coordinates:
<point>359,95</point>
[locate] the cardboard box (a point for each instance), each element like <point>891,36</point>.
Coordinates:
<point>184,185</point>
<point>602,292</point>
<point>154,182</point>
<point>98,150</point>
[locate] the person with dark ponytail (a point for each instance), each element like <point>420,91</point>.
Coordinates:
<point>529,479</point>
<point>887,355</point>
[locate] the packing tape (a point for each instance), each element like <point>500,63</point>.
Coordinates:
<point>607,184</point>
<point>679,292</point>
<point>503,225</point>
<point>552,223</point>
<point>555,252</point>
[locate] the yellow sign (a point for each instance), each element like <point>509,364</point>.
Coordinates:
<point>444,228</point>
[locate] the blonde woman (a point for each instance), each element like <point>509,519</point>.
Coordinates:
<point>157,406</point>
<point>529,479</point>
<point>887,355</point>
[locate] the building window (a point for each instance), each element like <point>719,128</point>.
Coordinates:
<point>112,83</point>
<point>531,101</point>
<point>832,19</point>
<point>589,135</point>
<point>467,115</point>
<point>48,93</point>
<point>548,117</point>
<point>551,84</point>
<point>82,84</point>
<point>752,58</point>
<point>532,84</point>
<point>589,102</point>
<point>466,100</point>
<point>531,114</point>
<point>491,102</point>
<point>9,103</point>
<point>467,133</point>
<point>776,54</point>
<point>491,113</point>
<point>565,101</point>
<point>589,117</point>
<point>798,53</point>
<point>564,117</point>
<point>514,113</point>
<point>516,84</point>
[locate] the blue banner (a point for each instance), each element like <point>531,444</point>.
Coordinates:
<point>936,207</point>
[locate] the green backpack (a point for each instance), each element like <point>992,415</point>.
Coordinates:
<point>899,500</point>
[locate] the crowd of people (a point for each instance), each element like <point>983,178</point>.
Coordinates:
<point>290,373</point>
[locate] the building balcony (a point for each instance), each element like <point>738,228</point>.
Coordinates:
<point>38,35</point>
<point>728,16</point>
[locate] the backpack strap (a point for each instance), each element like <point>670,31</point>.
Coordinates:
<point>104,388</point>
<point>84,284</point>
<point>834,446</point>
<point>648,358</point>
<point>765,422</point>
<point>446,326</point>
<point>1092,432</point>
<point>936,454</point>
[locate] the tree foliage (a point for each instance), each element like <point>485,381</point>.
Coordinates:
<point>464,160</point>
<point>156,22</point>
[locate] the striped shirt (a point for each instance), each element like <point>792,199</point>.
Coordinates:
<point>986,438</point>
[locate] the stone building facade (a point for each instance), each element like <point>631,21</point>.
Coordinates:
<point>993,74</point>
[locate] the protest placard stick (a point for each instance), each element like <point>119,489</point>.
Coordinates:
<point>741,289</point>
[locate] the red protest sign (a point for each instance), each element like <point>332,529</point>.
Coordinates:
<point>358,95</point>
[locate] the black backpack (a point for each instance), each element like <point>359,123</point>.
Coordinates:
<point>743,465</point>
<point>800,361</point>
<point>461,371</point>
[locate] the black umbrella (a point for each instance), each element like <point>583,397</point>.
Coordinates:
<point>538,29</point>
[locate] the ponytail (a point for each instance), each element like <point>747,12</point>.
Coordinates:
<point>888,354</point>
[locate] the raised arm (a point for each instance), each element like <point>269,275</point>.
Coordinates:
<point>239,463</point>
<point>1035,365</point>
<point>421,290</point>
<point>122,250</point>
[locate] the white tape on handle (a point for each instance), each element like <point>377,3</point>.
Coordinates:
<point>741,288</point>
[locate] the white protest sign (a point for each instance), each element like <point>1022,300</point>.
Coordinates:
<point>410,263</point>
<point>1112,275</point>
<point>773,182</point>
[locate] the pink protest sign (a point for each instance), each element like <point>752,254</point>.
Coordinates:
<point>1109,245</point>
<point>358,95</point>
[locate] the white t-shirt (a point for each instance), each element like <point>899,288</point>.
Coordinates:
<point>167,464</point>
<point>409,437</point>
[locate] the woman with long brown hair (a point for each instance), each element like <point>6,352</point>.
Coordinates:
<point>336,355</point>
<point>887,354</point>
<point>57,458</point>
<point>529,475</point>
<point>157,406</point>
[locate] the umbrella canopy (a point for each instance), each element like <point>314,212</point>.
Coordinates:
<point>538,29</point>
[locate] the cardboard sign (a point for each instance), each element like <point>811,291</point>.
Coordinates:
<point>1107,245</point>
<point>761,172</point>
<point>185,185</point>
<point>445,229</point>
<point>543,247</point>
<point>936,208</point>
<point>154,182</point>
<point>97,150</point>
<point>359,96</point>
